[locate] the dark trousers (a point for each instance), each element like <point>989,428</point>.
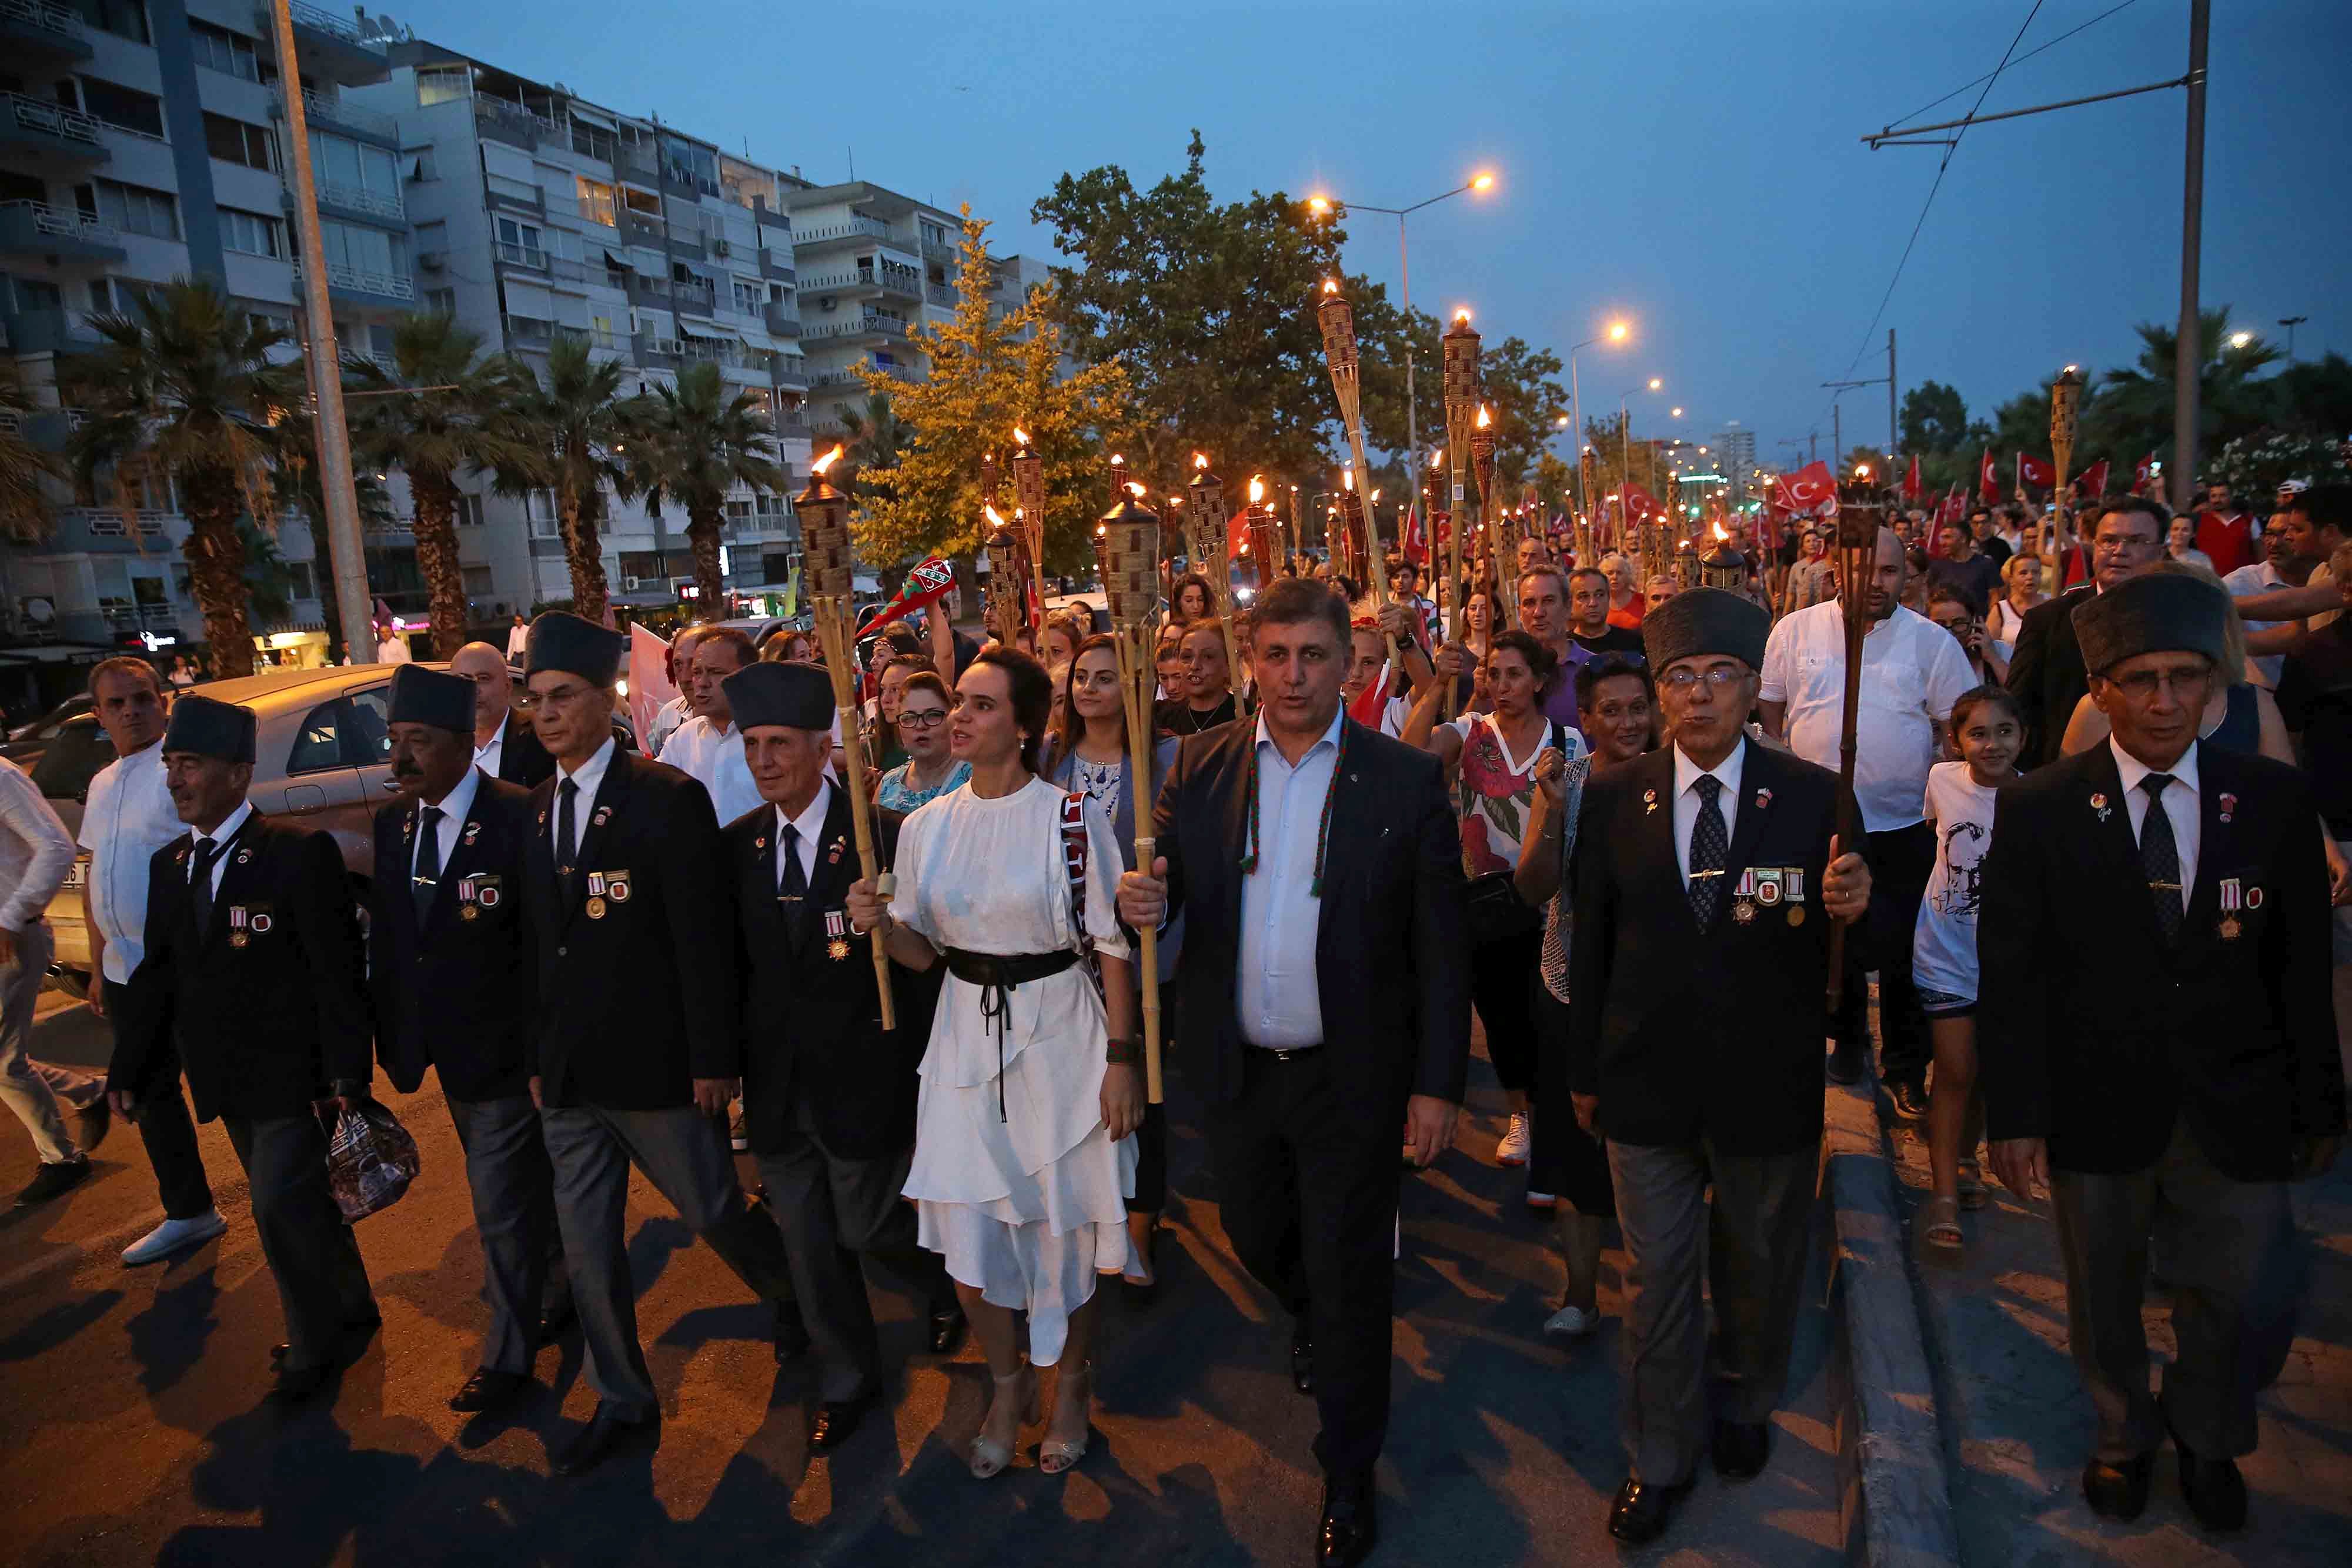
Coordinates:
<point>1503,974</point>
<point>323,1286</point>
<point>2229,1256</point>
<point>170,1134</point>
<point>513,1188</point>
<point>1309,1188</point>
<point>1901,860</point>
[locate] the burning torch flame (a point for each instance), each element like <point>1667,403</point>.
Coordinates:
<point>827,461</point>
<point>1347,478</point>
<point>1199,460</point>
<point>1720,536</point>
<point>1102,530</point>
<point>1331,286</point>
<point>995,518</point>
<point>1463,315</point>
<point>1258,489</point>
<point>1484,420</point>
<point>1376,496</point>
<point>1020,435</point>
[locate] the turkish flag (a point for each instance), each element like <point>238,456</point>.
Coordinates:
<point>1237,533</point>
<point>1640,505</point>
<point>1911,479</point>
<point>1810,491</point>
<point>1411,542</point>
<point>1955,508</point>
<point>2093,483</point>
<point>2039,472</point>
<point>1988,483</point>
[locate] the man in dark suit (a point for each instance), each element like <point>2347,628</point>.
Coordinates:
<point>1326,999</point>
<point>253,971</point>
<point>2045,672</point>
<point>637,1049</point>
<point>2179,1067</point>
<point>505,745</point>
<point>455,975</point>
<point>828,1092</point>
<point>1708,853</point>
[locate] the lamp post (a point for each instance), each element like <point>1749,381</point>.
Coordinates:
<point>1323,206</point>
<point>1618,332</point>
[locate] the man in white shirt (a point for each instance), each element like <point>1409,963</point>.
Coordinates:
<point>504,747</point>
<point>391,647</point>
<point>518,638</point>
<point>708,746</point>
<point>2279,568</point>
<point>129,817</point>
<point>36,852</point>
<point>679,708</point>
<point>1912,672</point>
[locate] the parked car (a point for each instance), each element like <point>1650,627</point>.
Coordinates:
<point>27,741</point>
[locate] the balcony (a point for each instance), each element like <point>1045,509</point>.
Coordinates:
<point>532,336</point>
<point>529,256</point>
<point>49,332</point>
<point>34,32</point>
<point>56,235</point>
<point>868,324</point>
<point>636,163</point>
<point>331,109</point>
<point>510,122</point>
<point>942,295</point>
<point>780,320</point>
<point>638,229</point>
<point>855,227</point>
<point>30,126</point>
<point>777,263</point>
<point>328,47</point>
<point>366,288</point>
<point>350,201</point>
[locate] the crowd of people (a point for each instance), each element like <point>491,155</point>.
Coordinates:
<point>1597,810</point>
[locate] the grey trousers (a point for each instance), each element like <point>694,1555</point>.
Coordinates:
<point>1756,1234</point>
<point>513,1186</point>
<point>322,1285</point>
<point>35,1088</point>
<point>2229,1261</point>
<point>831,1210</point>
<point>684,1154</point>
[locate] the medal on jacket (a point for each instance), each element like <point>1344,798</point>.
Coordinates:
<point>2234,898</point>
<point>1746,896</point>
<point>237,922</point>
<point>1793,889</point>
<point>836,931</point>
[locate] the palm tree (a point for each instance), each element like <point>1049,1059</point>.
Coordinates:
<point>694,443</point>
<point>573,419</point>
<point>186,393</point>
<point>25,511</point>
<point>876,437</point>
<point>2133,411</point>
<point>442,409</point>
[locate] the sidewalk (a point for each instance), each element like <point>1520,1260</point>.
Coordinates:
<point>2017,1425</point>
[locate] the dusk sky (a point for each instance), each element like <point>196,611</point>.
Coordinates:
<point>1695,167</point>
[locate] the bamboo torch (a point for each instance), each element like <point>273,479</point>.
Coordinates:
<point>1204,541</point>
<point>1481,468</point>
<point>1266,541</point>
<point>1338,319</point>
<point>1857,549</point>
<point>1004,575</point>
<point>1129,533</point>
<point>1588,475</point>
<point>1352,556</point>
<point>2065,398</point>
<point>1461,362</point>
<point>832,568</point>
<point>1029,500</point>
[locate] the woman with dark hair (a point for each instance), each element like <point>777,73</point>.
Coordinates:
<point>1088,756</point>
<point>1193,599</point>
<point>1492,759</point>
<point>929,771</point>
<point>1031,1092</point>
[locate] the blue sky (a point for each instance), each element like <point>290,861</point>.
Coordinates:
<point>1694,166</point>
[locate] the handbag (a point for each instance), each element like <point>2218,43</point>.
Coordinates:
<point>371,1161</point>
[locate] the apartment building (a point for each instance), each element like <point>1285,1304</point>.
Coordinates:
<point>142,143</point>
<point>538,216</point>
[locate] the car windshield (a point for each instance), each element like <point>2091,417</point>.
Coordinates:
<point>72,760</point>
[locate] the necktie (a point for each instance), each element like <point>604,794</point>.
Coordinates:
<point>200,884</point>
<point>427,881</point>
<point>1710,846</point>
<point>791,882</point>
<point>567,838</point>
<point>2160,857</point>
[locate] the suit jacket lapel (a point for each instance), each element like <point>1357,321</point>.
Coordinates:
<point>2106,798</point>
<point>1350,839</point>
<point>1656,844</point>
<point>464,853</point>
<point>610,794</point>
<point>236,874</point>
<point>836,866</point>
<point>2200,921</point>
<point>1240,757</point>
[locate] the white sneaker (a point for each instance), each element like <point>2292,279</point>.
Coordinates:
<point>1543,1202</point>
<point>1512,1149</point>
<point>172,1236</point>
<point>1570,1322</point>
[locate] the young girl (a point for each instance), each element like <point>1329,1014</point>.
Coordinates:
<point>1989,730</point>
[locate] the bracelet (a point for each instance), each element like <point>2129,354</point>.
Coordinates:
<point>1123,1052</point>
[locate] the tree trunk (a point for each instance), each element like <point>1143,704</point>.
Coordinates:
<point>215,558</point>
<point>586,553</point>
<point>323,569</point>
<point>711,585</point>
<point>436,529</point>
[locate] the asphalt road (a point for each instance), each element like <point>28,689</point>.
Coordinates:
<point>131,1431</point>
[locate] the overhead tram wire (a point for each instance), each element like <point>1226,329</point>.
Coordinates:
<point>2020,59</point>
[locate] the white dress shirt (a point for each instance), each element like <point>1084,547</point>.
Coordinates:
<point>492,755</point>
<point>517,640</point>
<point>453,808</point>
<point>2260,578</point>
<point>667,720</point>
<point>589,778</point>
<point>1727,800</point>
<point>1912,671</point>
<point>36,850</point>
<point>393,649</point>
<point>1279,1006</point>
<point>129,816</point>
<point>2180,806</point>
<point>810,826</point>
<point>717,761</point>
<point>222,835</point>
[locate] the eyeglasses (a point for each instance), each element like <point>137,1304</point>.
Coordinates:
<point>922,719</point>
<point>531,702</point>
<point>2142,684</point>
<point>1718,677</point>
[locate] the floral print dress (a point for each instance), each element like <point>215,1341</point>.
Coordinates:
<point>1495,791</point>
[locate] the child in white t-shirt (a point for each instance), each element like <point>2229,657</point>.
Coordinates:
<point>1988,730</point>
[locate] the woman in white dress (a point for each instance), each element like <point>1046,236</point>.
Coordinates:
<point>1032,1091</point>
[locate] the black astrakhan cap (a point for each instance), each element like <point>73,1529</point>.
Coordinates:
<point>1705,621</point>
<point>2155,612</point>
<point>420,696</point>
<point>210,727</point>
<point>574,645</point>
<point>796,697</point>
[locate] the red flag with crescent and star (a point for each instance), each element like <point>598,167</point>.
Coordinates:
<point>2036,471</point>
<point>1810,491</point>
<point>1911,491</point>
<point>2092,482</point>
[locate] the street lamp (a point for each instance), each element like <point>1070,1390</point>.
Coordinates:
<point>1618,330</point>
<point>2240,339</point>
<point>1325,207</point>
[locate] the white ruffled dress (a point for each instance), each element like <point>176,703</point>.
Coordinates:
<point>1026,1204</point>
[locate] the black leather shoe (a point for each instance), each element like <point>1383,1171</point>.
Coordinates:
<point>487,1389</point>
<point>2117,1491</point>
<point>356,1334</point>
<point>792,1336</point>
<point>2215,1491</point>
<point>1640,1513</point>
<point>554,1320</point>
<point>1740,1449</point>
<point>301,1384</point>
<point>604,1435</point>
<point>947,1326</point>
<point>1302,1360</point>
<point>1844,1064</point>
<point>831,1421</point>
<point>1348,1529</point>
<point>1910,1102</point>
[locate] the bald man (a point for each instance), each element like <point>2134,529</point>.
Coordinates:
<point>503,747</point>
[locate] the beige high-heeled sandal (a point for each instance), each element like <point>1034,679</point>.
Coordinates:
<point>1055,1455</point>
<point>989,1457</point>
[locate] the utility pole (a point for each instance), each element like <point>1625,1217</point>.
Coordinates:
<point>353,603</point>
<point>1837,437</point>
<point>2290,323</point>
<point>1893,438</point>
<point>2188,353</point>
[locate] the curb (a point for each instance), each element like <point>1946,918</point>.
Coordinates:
<point>1895,1502</point>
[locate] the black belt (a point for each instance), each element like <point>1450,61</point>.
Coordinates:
<point>1281,1053</point>
<point>998,974</point>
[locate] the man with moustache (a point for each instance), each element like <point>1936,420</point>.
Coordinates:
<point>253,970</point>
<point>504,746</point>
<point>454,973</point>
<point>828,1092</point>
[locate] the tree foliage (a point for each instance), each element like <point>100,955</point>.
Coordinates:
<point>1934,418</point>
<point>692,446</point>
<point>572,420</point>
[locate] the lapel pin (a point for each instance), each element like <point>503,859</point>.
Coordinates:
<point>1649,802</point>
<point>243,856</point>
<point>604,814</point>
<point>2099,804</point>
<point>759,843</point>
<point>473,831</point>
<point>2229,805</point>
<point>1763,799</point>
